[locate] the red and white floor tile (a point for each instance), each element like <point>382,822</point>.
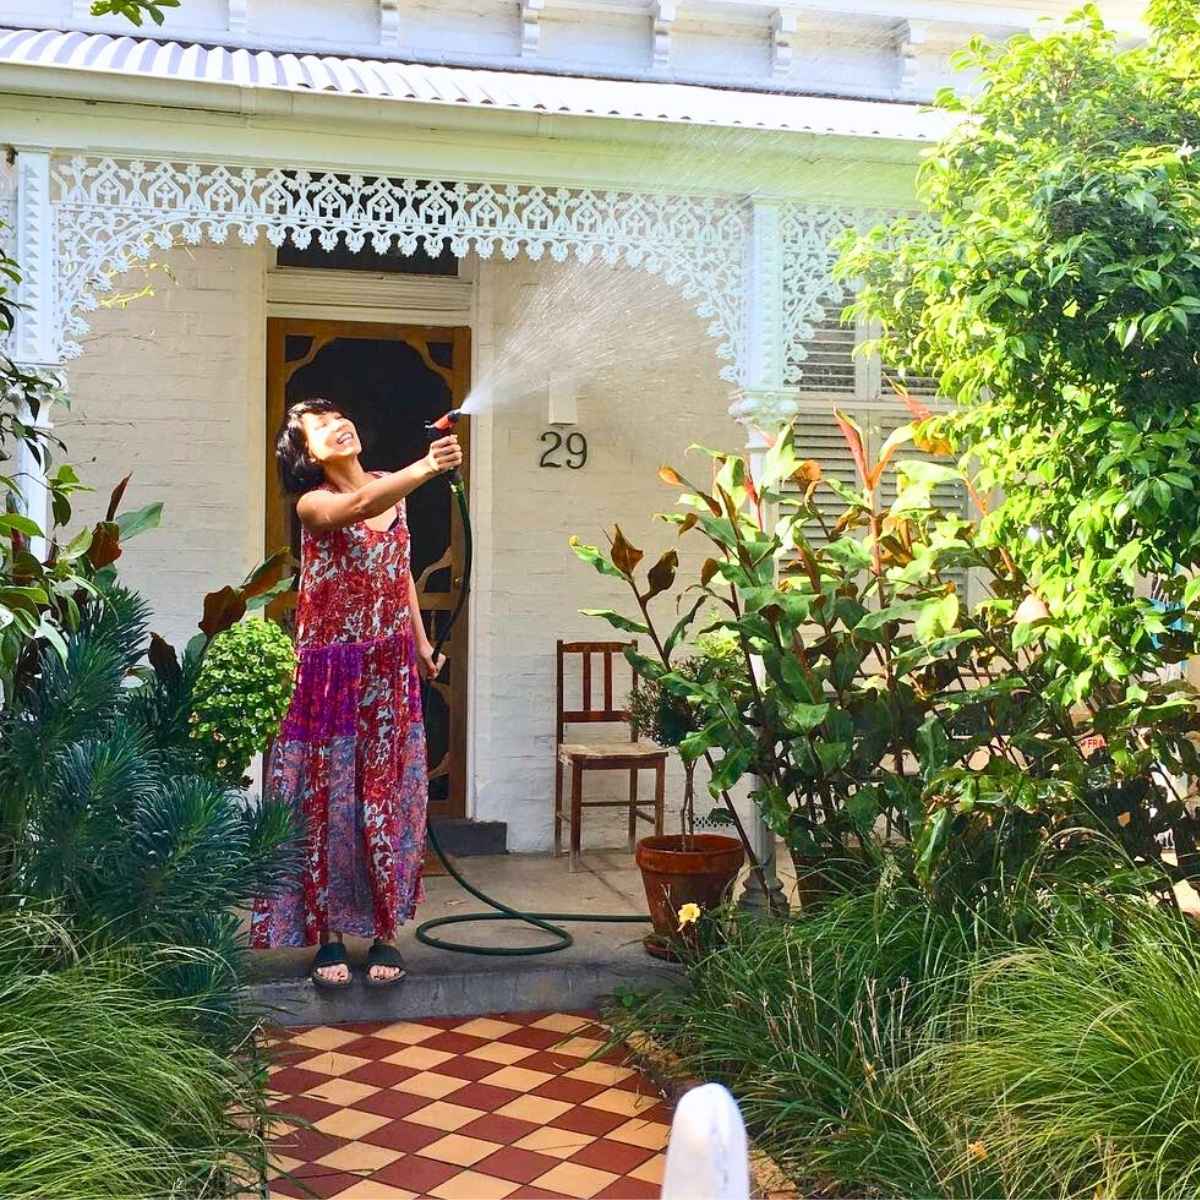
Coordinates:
<point>488,1108</point>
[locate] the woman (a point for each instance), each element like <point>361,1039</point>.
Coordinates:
<point>350,757</point>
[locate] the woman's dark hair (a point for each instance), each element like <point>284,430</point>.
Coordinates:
<point>298,470</point>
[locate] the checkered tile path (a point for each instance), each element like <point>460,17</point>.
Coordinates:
<point>493,1108</point>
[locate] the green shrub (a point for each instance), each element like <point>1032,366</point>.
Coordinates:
<point>106,1087</point>
<point>1075,1068</point>
<point>1046,1044</point>
<point>800,1018</point>
<point>242,694</point>
<point>122,822</point>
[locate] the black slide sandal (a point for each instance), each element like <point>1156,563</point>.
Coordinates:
<point>332,954</point>
<point>383,955</point>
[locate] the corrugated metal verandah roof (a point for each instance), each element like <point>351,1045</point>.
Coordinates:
<point>414,83</point>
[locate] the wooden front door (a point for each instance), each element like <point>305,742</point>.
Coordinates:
<point>389,380</point>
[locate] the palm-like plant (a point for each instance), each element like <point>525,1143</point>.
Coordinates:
<point>111,809</point>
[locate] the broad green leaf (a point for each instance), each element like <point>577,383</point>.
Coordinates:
<point>916,470</point>
<point>937,618</point>
<point>833,756</point>
<point>131,524</point>
<point>23,597</point>
<point>779,462</point>
<point>616,620</point>
<point>802,718</point>
<point>902,610</point>
<point>589,554</point>
<point>863,808</point>
<point>682,626</point>
<point>52,635</point>
<point>20,523</point>
<point>933,746</point>
<point>77,547</point>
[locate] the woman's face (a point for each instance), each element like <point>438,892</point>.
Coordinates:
<point>330,436</point>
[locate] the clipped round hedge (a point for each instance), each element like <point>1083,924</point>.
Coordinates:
<point>242,694</point>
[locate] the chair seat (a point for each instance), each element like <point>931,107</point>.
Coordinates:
<point>586,751</point>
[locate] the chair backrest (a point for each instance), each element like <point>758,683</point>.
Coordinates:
<point>588,712</point>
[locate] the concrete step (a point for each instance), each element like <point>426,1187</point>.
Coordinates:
<point>604,958</point>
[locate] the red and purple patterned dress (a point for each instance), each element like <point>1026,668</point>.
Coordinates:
<point>350,757</point>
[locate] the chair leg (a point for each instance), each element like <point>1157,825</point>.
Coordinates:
<point>633,806</point>
<point>558,805</point>
<point>660,791</point>
<point>576,813</point>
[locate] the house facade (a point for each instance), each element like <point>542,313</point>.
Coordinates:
<point>605,225</point>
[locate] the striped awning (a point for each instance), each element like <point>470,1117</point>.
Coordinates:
<point>416,83</point>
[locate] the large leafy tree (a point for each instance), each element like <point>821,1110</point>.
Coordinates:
<point>1056,297</point>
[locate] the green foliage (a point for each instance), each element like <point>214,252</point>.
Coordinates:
<point>242,694</point>
<point>671,717</point>
<point>107,1089</point>
<point>1056,297</point>
<point>1076,1068</point>
<point>885,706</point>
<point>1042,1043</point>
<point>133,10</point>
<point>114,813</point>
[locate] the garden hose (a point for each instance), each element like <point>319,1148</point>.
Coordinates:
<point>546,922</point>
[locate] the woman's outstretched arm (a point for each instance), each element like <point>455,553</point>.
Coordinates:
<point>323,510</point>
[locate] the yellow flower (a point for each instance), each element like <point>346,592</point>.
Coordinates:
<point>689,914</point>
<point>977,1150</point>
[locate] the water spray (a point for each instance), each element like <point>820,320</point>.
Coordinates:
<point>443,427</point>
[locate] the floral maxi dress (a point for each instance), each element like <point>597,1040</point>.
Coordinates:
<point>350,758</point>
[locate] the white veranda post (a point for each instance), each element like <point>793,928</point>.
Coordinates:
<point>34,340</point>
<point>764,407</point>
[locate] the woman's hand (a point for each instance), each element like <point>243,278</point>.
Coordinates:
<point>429,668</point>
<point>444,455</point>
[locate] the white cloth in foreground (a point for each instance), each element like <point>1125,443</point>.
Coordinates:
<point>707,1158</point>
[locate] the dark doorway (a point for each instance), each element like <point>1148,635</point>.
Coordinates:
<point>390,380</point>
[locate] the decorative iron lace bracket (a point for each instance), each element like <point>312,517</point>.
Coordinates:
<point>111,213</point>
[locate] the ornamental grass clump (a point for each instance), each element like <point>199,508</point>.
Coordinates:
<point>107,1087</point>
<point>1046,1044</point>
<point>1075,1068</point>
<point>242,694</point>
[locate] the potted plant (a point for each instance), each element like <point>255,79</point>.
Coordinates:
<point>686,868</point>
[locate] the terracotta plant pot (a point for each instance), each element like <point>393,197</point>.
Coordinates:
<point>678,871</point>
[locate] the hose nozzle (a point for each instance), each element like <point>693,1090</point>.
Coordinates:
<point>444,424</point>
<point>440,428</point>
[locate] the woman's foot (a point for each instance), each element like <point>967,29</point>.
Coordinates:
<point>330,966</point>
<point>338,973</point>
<point>385,967</point>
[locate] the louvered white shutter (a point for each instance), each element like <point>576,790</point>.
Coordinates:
<point>829,367</point>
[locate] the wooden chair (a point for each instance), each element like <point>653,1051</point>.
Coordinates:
<point>633,757</point>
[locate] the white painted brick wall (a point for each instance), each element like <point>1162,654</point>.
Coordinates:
<point>648,388</point>
<point>171,387</point>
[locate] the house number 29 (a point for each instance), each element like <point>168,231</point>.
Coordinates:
<point>574,446</point>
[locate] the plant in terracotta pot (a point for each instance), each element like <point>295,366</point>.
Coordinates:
<point>875,711</point>
<point>688,870</point>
